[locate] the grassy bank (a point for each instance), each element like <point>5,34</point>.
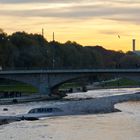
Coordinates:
<point>70,85</point>
<point>15,86</point>
<point>122,82</point>
<point>20,87</point>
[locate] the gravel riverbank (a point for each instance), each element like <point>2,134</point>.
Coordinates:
<point>85,106</point>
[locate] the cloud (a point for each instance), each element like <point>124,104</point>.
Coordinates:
<point>37,1</point>
<point>107,9</point>
<point>68,1</point>
<point>109,32</point>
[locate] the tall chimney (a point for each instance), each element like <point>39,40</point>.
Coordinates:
<point>134,44</point>
<point>53,37</point>
<point>42,32</point>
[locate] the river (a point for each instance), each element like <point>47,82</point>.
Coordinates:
<point>123,125</point>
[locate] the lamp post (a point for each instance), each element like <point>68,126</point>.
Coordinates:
<point>53,45</point>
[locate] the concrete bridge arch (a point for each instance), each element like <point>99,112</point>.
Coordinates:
<point>45,80</point>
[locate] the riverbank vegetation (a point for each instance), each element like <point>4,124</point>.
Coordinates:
<point>10,86</point>
<point>22,50</point>
<point>20,88</point>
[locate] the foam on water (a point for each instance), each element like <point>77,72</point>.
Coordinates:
<point>75,106</point>
<point>123,125</point>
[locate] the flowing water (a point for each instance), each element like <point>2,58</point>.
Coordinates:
<point>123,125</point>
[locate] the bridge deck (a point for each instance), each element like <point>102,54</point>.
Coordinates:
<point>70,71</point>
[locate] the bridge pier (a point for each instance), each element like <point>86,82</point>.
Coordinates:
<point>43,84</point>
<point>43,89</point>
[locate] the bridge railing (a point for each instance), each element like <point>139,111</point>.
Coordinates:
<point>64,68</point>
<point>46,68</point>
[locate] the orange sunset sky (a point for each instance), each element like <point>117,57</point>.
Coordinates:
<point>88,22</point>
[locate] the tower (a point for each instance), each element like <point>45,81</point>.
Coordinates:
<point>134,44</point>
<point>53,37</point>
<point>42,32</point>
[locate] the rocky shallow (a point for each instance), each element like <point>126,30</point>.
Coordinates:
<point>83,106</point>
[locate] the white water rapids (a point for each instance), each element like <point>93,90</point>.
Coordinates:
<point>123,125</point>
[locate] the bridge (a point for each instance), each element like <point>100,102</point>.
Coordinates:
<point>46,80</point>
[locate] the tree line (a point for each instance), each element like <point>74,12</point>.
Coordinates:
<point>23,50</point>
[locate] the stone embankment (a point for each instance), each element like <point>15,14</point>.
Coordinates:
<point>25,99</point>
